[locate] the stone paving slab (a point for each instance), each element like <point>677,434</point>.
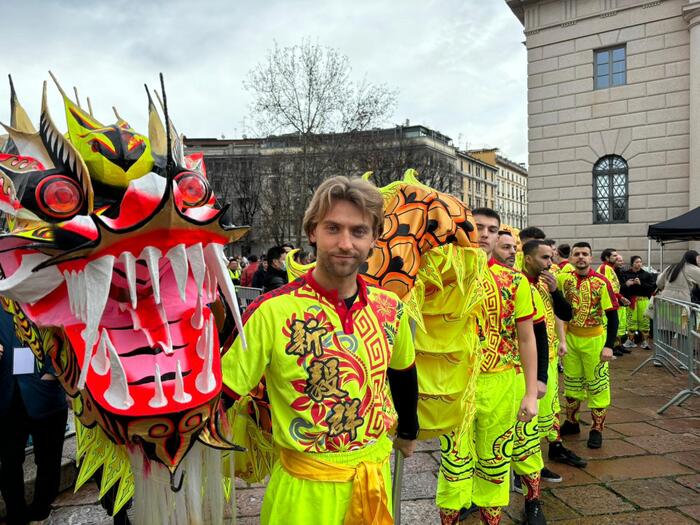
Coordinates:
<point>618,469</point>
<point>656,492</point>
<point>669,443</point>
<point>592,499</point>
<point>638,429</point>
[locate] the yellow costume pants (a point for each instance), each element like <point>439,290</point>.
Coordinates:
<point>527,455</point>
<point>585,376</point>
<point>294,499</point>
<point>636,320</point>
<point>622,313</point>
<point>476,468</point>
<point>548,413</point>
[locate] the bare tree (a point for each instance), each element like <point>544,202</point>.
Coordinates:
<point>304,94</point>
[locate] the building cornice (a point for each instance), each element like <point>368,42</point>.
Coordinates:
<point>691,13</point>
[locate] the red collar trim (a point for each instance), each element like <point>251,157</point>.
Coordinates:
<point>341,309</point>
<point>531,279</point>
<point>493,261</point>
<point>590,273</point>
<point>563,263</point>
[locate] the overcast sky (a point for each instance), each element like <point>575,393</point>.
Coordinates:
<point>459,65</point>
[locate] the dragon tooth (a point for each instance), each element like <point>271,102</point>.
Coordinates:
<point>72,292</point>
<point>214,254</point>
<point>27,285</point>
<point>195,256</point>
<point>206,382</point>
<point>177,255</point>
<point>130,270</point>
<point>117,394</point>
<point>158,400</point>
<point>198,315</point>
<point>152,257</point>
<point>166,345</point>
<point>97,278</point>
<point>180,395</point>
<point>100,362</point>
<point>82,299</point>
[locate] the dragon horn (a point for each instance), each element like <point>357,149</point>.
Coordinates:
<point>19,119</point>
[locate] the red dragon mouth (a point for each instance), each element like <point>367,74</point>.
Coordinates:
<point>135,308</point>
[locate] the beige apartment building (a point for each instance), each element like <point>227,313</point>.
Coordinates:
<point>512,184</point>
<point>479,179</point>
<point>614,117</point>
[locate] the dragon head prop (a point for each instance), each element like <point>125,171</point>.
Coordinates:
<point>114,246</point>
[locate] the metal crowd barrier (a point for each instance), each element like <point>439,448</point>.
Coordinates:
<point>247,295</point>
<point>676,345</point>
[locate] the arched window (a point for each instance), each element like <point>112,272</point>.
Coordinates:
<point>610,190</point>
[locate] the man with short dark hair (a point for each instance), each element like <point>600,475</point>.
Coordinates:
<point>610,261</point>
<point>276,273</point>
<point>589,343</point>
<point>561,258</point>
<point>537,264</point>
<point>505,249</point>
<point>530,233</point>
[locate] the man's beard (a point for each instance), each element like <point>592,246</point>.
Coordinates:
<point>338,270</point>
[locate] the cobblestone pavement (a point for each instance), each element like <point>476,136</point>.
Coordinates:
<point>648,470</point>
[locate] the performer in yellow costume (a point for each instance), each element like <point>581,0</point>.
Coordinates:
<point>589,343</point>
<point>527,454</point>
<point>609,269</point>
<point>475,468</point>
<point>326,344</point>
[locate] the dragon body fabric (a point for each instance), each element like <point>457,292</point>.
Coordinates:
<point>111,262</point>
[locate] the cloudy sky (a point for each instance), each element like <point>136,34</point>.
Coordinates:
<point>459,65</point>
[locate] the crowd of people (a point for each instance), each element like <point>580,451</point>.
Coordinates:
<point>268,271</point>
<point>549,309</point>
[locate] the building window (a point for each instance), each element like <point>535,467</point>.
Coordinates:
<point>610,190</point>
<point>610,67</point>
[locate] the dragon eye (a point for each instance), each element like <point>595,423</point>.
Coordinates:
<point>194,189</point>
<point>59,196</point>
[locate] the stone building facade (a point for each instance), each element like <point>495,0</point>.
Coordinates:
<point>512,184</point>
<point>614,117</point>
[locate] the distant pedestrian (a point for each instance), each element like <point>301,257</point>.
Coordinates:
<point>276,273</point>
<point>259,275</point>
<point>249,271</point>
<point>637,286</point>
<point>679,280</point>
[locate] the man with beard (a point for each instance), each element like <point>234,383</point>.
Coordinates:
<point>537,265</point>
<point>610,269</point>
<point>508,341</point>
<point>589,343</point>
<point>506,248</point>
<point>527,455</point>
<point>326,344</point>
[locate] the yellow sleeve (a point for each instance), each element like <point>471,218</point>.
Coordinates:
<point>244,368</point>
<point>561,278</point>
<point>524,308</point>
<point>403,354</point>
<point>606,297</point>
<point>538,305</point>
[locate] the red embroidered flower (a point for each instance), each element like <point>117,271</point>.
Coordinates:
<point>385,309</point>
